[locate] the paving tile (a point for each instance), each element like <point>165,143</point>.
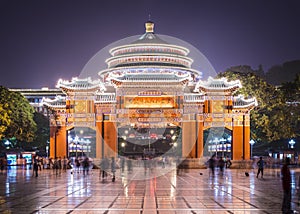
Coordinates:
<point>170,193</point>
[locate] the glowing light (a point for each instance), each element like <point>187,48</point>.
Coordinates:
<point>292,143</point>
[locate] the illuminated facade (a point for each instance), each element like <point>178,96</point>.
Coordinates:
<point>149,101</point>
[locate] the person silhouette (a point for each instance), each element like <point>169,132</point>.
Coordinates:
<point>286,185</point>
<point>260,165</point>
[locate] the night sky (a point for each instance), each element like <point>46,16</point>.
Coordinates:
<point>42,41</point>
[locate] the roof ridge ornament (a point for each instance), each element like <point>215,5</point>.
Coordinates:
<point>149,25</point>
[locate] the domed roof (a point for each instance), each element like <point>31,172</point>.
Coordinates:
<point>149,50</point>
<point>149,57</point>
<point>149,36</point>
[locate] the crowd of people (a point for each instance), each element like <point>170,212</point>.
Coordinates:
<point>219,162</point>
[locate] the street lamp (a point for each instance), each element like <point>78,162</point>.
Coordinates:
<point>252,142</point>
<point>70,144</point>
<point>292,143</point>
<point>216,141</point>
<point>223,147</point>
<point>88,142</point>
<point>123,144</point>
<point>76,139</point>
<point>82,142</point>
<point>47,148</point>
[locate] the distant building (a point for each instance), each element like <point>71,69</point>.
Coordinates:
<point>35,97</point>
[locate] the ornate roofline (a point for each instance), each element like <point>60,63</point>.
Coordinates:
<point>117,81</point>
<point>115,49</point>
<point>217,84</point>
<point>158,68</point>
<point>59,102</point>
<point>240,102</point>
<point>105,98</point>
<point>162,57</point>
<point>85,84</point>
<point>194,98</point>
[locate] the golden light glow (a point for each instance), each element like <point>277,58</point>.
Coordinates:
<point>150,102</point>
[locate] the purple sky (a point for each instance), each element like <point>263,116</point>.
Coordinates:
<point>42,41</point>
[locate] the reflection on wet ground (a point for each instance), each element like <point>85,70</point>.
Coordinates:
<point>186,192</point>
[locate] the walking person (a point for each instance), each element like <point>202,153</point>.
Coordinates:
<point>228,162</point>
<point>122,164</point>
<point>286,185</point>
<point>59,164</point>
<point>221,164</point>
<point>129,165</point>
<point>260,165</point>
<point>77,165</point>
<point>103,168</point>
<point>56,166</point>
<point>299,191</point>
<point>35,167</point>
<point>85,166</point>
<point>2,165</point>
<point>65,163</point>
<point>113,169</point>
<point>211,165</point>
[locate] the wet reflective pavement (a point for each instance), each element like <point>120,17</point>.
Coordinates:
<point>187,192</point>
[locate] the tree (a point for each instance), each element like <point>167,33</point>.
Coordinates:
<point>42,133</point>
<point>271,120</point>
<point>4,121</point>
<point>291,96</point>
<point>20,114</point>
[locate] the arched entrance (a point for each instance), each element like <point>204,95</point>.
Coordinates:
<point>81,142</point>
<point>138,142</point>
<point>217,141</point>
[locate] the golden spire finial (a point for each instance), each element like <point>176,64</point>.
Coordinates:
<point>149,25</point>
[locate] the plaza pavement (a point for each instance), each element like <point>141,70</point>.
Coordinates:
<point>186,192</point>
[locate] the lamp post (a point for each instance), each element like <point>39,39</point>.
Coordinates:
<point>70,144</point>
<point>210,142</point>
<point>292,143</point>
<point>216,141</point>
<point>76,139</point>
<point>81,142</point>
<point>252,142</point>
<point>228,146</point>
<point>223,148</point>
<point>123,144</point>
<point>88,142</point>
<point>47,148</point>
<point>175,148</point>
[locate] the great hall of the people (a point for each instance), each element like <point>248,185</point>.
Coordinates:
<point>149,101</point>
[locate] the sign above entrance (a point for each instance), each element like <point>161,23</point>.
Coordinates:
<point>150,102</point>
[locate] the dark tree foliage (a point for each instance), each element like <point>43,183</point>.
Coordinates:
<point>273,119</point>
<point>4,120</point>
<point>42,133</point>
<point>20,114</point>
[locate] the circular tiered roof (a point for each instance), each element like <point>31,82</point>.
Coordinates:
<point>150,55</point>
<point>149,49</point>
